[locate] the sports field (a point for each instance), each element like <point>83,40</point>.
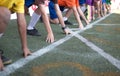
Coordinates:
<point>94,51</point>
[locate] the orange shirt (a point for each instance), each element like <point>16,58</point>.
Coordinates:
<point>68,3</point>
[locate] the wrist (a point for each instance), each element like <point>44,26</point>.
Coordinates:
<point>63,28</point>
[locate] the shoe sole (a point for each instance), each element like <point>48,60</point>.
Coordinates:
<point>7,62</point>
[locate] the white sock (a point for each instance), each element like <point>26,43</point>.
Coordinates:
<point>34,19</point>
<point>65,18</point>
<point>83,8</point>
<point>1,35</point>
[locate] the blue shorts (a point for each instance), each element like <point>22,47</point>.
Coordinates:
<point>28,3</point>
<point>52,11</point>
<point>81,2</point>
<point>103,1</point>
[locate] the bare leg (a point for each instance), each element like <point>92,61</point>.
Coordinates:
<point>4,19</point>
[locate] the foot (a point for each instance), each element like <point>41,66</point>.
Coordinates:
<point>33,32</point>
<point>5,60</point>
<point>67,22</point>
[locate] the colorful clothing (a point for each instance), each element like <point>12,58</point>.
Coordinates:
<point>13,5</point>
<point>52,11</point>
<point>90,2</point>
<point>103,1</point>
<point>68,3</point>
<point>108,1</point>
<point>81,2</point>
<point>28,3</point>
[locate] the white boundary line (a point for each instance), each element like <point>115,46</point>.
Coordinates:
<point>21,62</point>
<point>111,59</point>
<point>107,24</point>
<point>95,48</point>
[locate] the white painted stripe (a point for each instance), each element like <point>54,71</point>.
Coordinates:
<point>107,56</point>
<point>91,24</point>
<point>107,24</point>
<point>74,29</point>
<point>16,65</point>
<point>21,62</point>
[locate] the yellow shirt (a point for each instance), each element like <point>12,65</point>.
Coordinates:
<point>13,5</point>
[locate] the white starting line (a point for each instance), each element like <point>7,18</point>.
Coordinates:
<point>21,62</point>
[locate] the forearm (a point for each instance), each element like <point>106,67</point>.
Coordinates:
<point>60,17</point>
<point>22,30</point>
<point>77,16</point>
<point>45,19</point>
<point>82,15</point>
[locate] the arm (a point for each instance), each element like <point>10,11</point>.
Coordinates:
<point>22,32</point>
<point>61,19</point>
<point>50,36</point>
<point>76,14</point>
<point>82,15</point>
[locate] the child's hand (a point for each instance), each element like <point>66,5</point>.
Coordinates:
<point>81,27</point>
<point>27,52</point>
<point>66,31</point>
<point>50,38</point>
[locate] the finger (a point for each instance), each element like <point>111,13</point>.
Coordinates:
<point>48,40</point>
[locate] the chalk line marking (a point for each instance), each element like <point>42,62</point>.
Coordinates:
<point>107,24</point>
<point>107,56</point>
<point>21,62</point>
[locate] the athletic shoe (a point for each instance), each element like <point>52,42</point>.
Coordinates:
<point>33,32</point>
<point>5,60</point>
<point>67,22</point>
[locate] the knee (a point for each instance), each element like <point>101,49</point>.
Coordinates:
<point>54,21</point>
<point>57,21</point>
<point>4,18</point>
<point>4,15</point>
